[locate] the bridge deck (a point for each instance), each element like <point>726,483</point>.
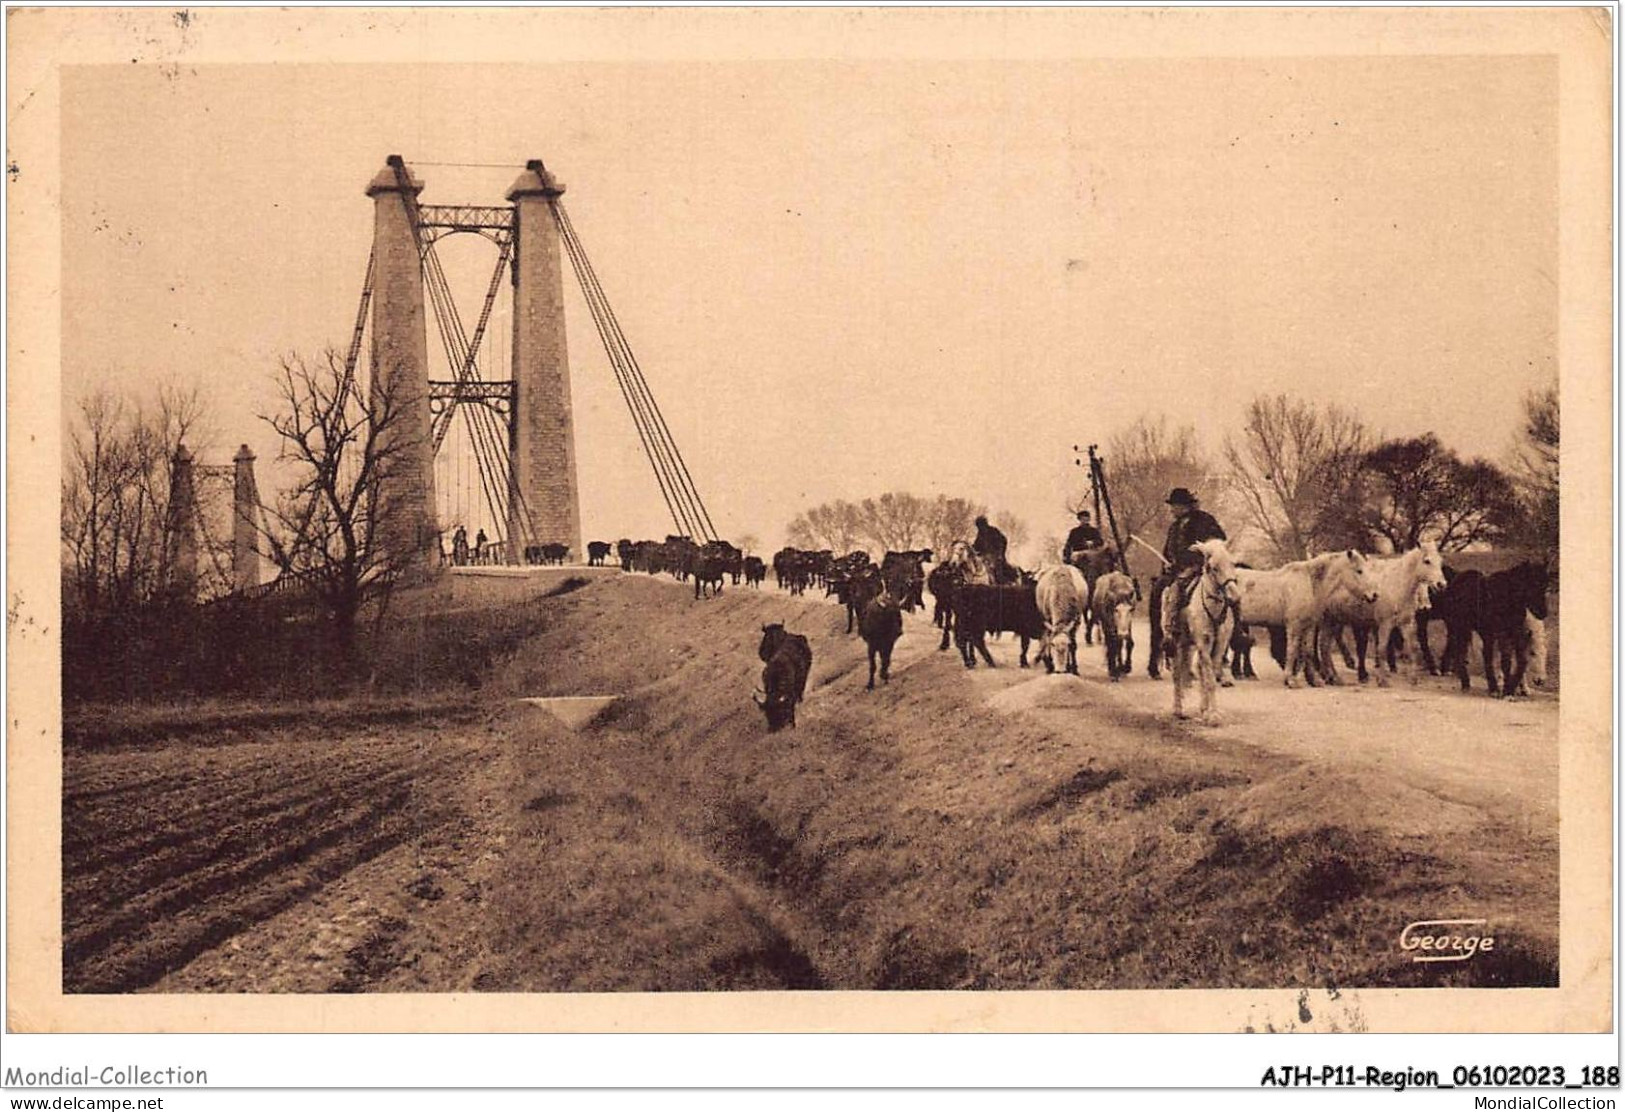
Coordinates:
<point>511,571</point>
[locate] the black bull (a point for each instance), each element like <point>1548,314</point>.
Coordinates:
<point>788,660</point>
<point>1005,608</point>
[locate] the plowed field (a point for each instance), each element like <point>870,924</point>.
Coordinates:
<point>994,829</point>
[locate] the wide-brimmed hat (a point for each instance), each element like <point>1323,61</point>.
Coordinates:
<point>1179,496</point>
<point>1083,513</point>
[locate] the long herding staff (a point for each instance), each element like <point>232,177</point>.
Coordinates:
<point>1149,549</point>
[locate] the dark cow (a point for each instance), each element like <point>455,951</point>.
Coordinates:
<point>1241,646</point>
<point>881,626</point>
<point>788,660</point>
<point>1241,653</point>
<point>782,559</point>
<point>944,578</point>
<point>795,570</point>
<point>626,551</point>
<point>678,555</point>
<point>1496,607</point>
<point>755,571</point>
<point>856,589</point>
<point>980,610</point>
<point>1424,617</point>
<point>597,553</point>
<point>821,566</point>
<point>709,567</point>
<point>733,560</point>
<point>904,576</point>
<point>555,553</point>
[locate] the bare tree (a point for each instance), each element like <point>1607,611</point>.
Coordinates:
<point>1142,464</point>
<point>1014,529</point>
<point>833,525</point>
<point>1535,470</point>
<point>748,543</point>
<point>1416,489</point>
<point>117,529</point>
<point>950,520</point>
<point>1291,467</point>
<point>895,521</point>
<point>1047,549</point>
<point>347,446</point>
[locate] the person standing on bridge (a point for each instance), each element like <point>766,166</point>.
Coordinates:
<point>480,541</point>
<point>1083,538</point>
<point>1180,568</point>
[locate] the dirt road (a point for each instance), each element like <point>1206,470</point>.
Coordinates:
<point>992,829</point>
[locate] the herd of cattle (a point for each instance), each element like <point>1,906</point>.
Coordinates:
<point>1306,606</point>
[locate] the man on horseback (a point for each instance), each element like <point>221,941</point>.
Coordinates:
<point>1083,538</point>
<point>991,545</point>
<point>1181,569</point>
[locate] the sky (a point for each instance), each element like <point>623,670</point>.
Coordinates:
<point>848,277</point>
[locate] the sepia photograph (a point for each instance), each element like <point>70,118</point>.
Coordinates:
<point>753,524</point>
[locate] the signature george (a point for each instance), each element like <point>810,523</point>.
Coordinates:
<point>1446,939</point>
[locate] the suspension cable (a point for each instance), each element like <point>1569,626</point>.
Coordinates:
<point>663,478</point>
<point>660,457</point>
<point>641,385</point>
<point>644,406</point>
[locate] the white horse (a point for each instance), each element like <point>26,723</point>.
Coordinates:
<point>1534,636</point>
<point>1205,629</point>
<point>1111,602</point>
<point>971,567</point>
<point>1062,595</point>
<point>1294,596</point>
<point>1402,582</point>
<point>1093,563</point>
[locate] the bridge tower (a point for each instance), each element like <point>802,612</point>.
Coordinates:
<point>400,365</point>
<point>180,561</point>
<point>521,430</point>
<point>542,479</point>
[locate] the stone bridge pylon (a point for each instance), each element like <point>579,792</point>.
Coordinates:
<point>534,441</point>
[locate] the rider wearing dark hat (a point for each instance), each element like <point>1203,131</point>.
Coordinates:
<point>1191,524</point>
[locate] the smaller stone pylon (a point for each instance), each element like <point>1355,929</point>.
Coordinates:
<point>245,538</point>
<point>180,528</point>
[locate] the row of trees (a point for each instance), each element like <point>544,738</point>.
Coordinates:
<point>1300,478</point>
<point>1296,479</point>
<point>896,522</point>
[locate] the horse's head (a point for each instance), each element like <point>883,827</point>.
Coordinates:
<point>1353,563</point>
<point>969,565</point>
<point>1430,566</point>
<point>1125,591</point>
<point>1221,566</point>
<point>1532,580</point>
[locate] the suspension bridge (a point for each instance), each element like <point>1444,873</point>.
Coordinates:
<point>517,434</point>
